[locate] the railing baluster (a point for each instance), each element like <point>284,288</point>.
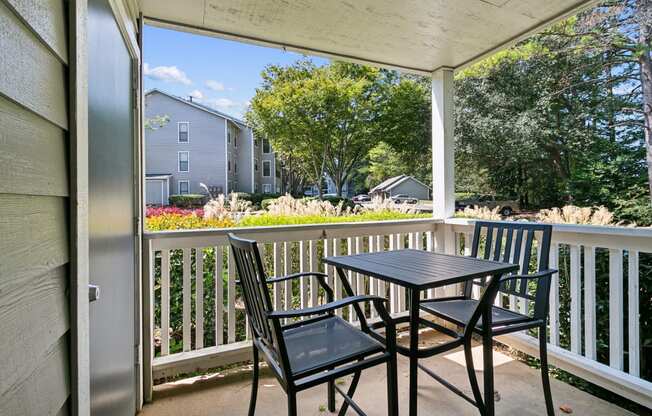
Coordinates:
<point>393,288</point>
<point>186,299</point>
<point>338,283</point>
<point>165,302</point>
<point>351,275</point>
<point>401,289</point>
<point>633,313</point>
<point>277,273</point>
<point>554,295</point>
<point>219,295</point>
<point>589,303</point>
<point>303,267</point>
<point>231,298</point>
<point>380,246</point>
<point>287,269</point>
<point>616,308</point>
<point>575,308</point>
<point>314,266</point>
<point>359,279</point>
<point>199,298</point>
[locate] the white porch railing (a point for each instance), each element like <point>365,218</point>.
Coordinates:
<point>174,259</point>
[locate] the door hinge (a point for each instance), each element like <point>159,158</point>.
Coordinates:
<point>136,226</point>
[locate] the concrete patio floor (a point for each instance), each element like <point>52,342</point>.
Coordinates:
<point>518,391</point>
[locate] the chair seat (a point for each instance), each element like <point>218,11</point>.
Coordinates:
<point>459,311</point>
<point>328,342</point>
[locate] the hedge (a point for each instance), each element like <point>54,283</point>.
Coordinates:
<point>188,200</point>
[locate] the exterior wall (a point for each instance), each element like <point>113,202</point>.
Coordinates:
<point>206,149</point>
<point>157,191</point>
<point>411,188</point>
<point>257,167</point>
<point>245,148</point>
<point>35,209</point>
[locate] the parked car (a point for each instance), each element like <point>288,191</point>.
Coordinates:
<point>400,198</point>
<point>507,206</point>
<point>361,198</point>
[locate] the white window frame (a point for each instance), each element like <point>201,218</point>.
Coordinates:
<point>269,148</point>
<point>235,138</point>
<point>228,135</point>
<point>269,162</point>
<point>179,186</point>
<point>267,188</point>
<point>256,165</point>
<point>179,160</point>
<point>179,123</point>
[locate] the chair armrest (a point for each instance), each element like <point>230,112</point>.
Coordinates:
<point>379,304</point>
<point>295,276</point>
<point>321,280</point>
<point>532,276</point>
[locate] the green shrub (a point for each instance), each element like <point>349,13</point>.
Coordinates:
<point>257,198</point>
<point>266,203</point>
<point>188,200</point>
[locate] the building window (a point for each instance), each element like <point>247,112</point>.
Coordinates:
<point>228,135</point>
<point>184,162</point>
<point>235,166</point>
<point>256,187</point>
<point>267,188</point>
<point>266,146</point>
<point>184,187</point>
<point>235,138</point>
<point>183,131</point>
<point>256,165</point>
<point>229,163</point>
<point>267,168</point>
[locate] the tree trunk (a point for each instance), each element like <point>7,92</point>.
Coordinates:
<point>645,62</point>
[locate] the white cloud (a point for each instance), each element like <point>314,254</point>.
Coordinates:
<point>215,85</point>
<point>167,74</point>
<point>196,94</point>
<point>221,103</point>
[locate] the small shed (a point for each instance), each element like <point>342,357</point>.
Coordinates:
<point>157,188</point>
<point>401,184</point>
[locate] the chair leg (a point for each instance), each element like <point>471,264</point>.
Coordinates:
<point>473,379</point>
<point>254,385</point>
<point>331,396</point>
<point>392,388</point>
<point>350,393</point>
<point>543,354</point>
<point>292,404</point>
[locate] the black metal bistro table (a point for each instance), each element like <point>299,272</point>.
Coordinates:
<point>419,270</point>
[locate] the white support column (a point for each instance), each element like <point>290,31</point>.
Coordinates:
<point>443,151</point>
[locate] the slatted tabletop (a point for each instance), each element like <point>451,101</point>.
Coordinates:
<point>418,269</point>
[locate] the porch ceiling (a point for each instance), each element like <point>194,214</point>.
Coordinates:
<point>416,35</point>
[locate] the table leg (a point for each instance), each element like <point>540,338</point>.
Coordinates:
<point>487,359</point>
<point>414,347</point>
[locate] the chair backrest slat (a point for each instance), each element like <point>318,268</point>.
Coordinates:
<point>499,237</point>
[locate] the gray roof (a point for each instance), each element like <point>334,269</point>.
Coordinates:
<point>392,182</point>
<point>213,111</point>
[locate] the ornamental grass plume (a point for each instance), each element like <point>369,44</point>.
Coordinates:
<point>380,204</point>
<point>286,205</point>
<point>480,213</point>
<point>571,214</point>
<point>220,208</point>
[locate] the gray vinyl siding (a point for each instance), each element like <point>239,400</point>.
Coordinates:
<point>267,180</point>
<point>245,144</point>
<point>411,188</point>
<point>34,207</point>
<point>206,145</point>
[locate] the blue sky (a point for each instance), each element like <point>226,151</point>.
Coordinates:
<point>219,73</point>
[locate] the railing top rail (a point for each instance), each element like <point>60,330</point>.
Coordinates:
<point>279,233</point>
<point>607,236</point>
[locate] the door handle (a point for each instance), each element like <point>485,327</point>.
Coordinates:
<point>93,293</point>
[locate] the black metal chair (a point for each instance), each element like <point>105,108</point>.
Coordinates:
<point>509,242</point>
<point>315,350</point>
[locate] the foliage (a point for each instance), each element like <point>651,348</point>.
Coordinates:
<point>570,214</point>
<point>222,209</point>
<point>165,222</point>
<point>337,200</point>
<point>288,206</point>
<point>154,211</point>
<point>257,198</point>
<point>269,219</point>
<point>156,122</point>
<point>481,213</point>
<point>187,200</point>
<point>379,205</point>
